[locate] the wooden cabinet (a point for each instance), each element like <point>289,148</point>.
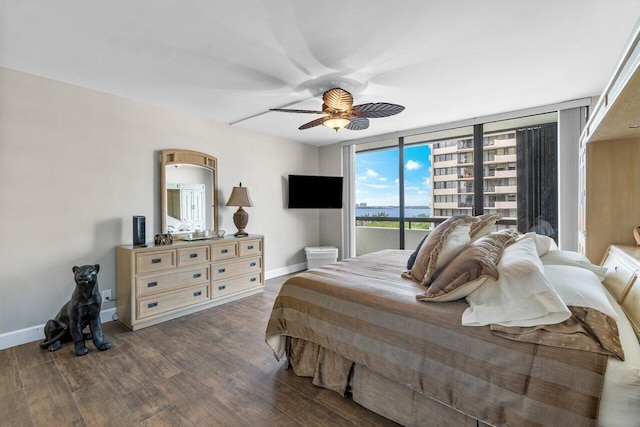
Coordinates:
<point>158,283</point>
<point>623,279</point>
<point>609,202</point>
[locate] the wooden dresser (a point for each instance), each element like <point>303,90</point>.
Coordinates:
<point>623,279</point>
<point>158,283</point>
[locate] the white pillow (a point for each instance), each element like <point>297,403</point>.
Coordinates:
<point>543,243</point>
<point>522,295</point>
<point>579,287</point>
<point>558,257</point>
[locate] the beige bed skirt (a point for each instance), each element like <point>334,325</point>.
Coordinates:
<point>371,390</point>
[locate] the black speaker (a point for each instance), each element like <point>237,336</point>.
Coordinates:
<point>139,231</point>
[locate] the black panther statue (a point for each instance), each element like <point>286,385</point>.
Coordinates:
<point>81,311</point>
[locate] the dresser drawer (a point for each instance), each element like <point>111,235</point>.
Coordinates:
<point>236,268</point>
<point>619,274</point>
<point>155,261</point>
<point>191,256</point>
<point>250,247</point>
<point>224,251</point>
<point>230,286</point>
<point>157,283</point>
<point>162,303</point>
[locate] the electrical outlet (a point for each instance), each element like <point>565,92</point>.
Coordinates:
<point>106,295</point>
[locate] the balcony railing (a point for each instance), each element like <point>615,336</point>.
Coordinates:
<point>374,238</point>
<point>364,221</point>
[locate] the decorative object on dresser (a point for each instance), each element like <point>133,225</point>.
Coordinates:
<point>636,235</point>
<point>159,283</point>
<point>240,197</point>
<point>80,312</point>
<point>163,239</point>
<point>139,230</point>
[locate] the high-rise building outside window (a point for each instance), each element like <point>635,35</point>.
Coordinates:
<point>405,186</point>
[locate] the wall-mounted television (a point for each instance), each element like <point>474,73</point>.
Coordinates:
<point>313,191</point>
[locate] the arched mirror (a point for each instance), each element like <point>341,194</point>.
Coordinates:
<point>188,186</point>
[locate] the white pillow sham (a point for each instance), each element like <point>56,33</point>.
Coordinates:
<point>522,295</point>
<point>579,287</point>
<point>559,257</point>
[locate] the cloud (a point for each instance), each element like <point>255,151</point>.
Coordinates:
<point>379,186</point>
<point>372,173</point>
<point>382,179</point>
<point>412,165</point>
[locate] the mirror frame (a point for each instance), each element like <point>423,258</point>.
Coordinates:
<point>187,157</point>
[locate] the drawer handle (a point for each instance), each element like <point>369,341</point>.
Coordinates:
<point>616,268</point>
<point>196,275</point>
<point>156,261</point>
<point>152,305</point>
<point>152,284</point>
<point>250,247</point>
<point>193,255</point>
<point>253,279</point>
<point>253,264</point>
<point>222,287</point>
<point>224,251</point>
<point>221,270</point>
<point>197,294</point>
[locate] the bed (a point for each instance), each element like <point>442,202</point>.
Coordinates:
<point>397,343</point>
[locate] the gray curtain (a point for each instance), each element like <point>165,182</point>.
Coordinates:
<point>537,166</point>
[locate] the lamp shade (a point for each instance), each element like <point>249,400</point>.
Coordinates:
<point>336,123</point>
<point>239,197</point>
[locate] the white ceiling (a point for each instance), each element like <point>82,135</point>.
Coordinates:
<point>232,61</point>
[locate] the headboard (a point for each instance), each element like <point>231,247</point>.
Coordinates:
<point>623,280</point>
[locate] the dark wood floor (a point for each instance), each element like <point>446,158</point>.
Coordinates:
<point>211,368</point>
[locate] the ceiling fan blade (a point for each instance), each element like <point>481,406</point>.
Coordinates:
<point>312,123</point>
<point>286,110</point>
<point>378,109</point>
<point>358,123</point>
<point>338,99</point>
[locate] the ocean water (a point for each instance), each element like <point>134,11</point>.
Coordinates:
<point>393,211</point>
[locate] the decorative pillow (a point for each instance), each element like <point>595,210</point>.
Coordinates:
<point>483,226</point>
<point>442,244</point>
<point>470,268</point>
<point>522,295</point>
<point>559,257</point>
<point>412,257</point>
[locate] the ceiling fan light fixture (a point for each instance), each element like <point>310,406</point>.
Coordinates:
<point>335,123</point>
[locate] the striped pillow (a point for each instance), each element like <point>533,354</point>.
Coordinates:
<point>470,269</point>
<point>441,245</point>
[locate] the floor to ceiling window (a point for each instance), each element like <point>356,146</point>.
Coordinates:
<point>406,185</point>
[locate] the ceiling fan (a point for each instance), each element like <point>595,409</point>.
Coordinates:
<point>340,112</point>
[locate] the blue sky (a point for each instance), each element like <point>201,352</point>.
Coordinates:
<point>377,177</point>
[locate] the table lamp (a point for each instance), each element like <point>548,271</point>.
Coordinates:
<point>240,197</point>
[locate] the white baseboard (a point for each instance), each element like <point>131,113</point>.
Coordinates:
<point>36,333</point>
<point>285,270</point>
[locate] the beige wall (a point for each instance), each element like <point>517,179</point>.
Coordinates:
<point>331,219</point>
<point>76,165</point>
